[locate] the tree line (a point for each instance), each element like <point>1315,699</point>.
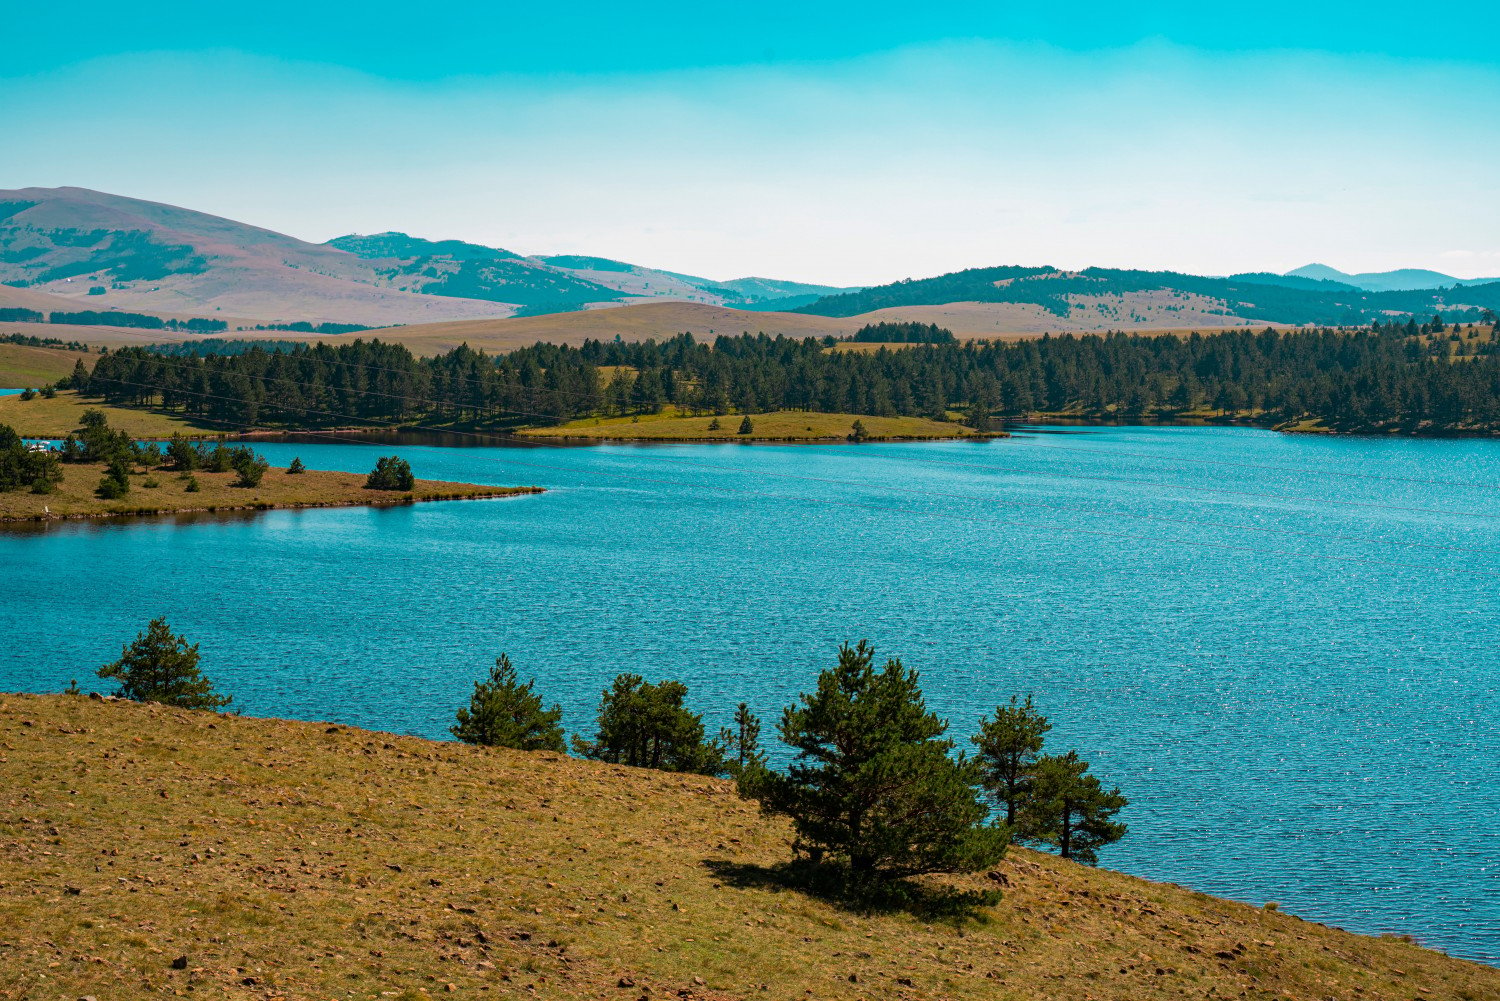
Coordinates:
<point>1432,374</point>
<point>874,787</point>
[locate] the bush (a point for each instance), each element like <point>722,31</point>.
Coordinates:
<point>391,473</point>
<point>192,484</point>
<point>505,713</point>
<point>28,394</point>
<point>161,667</point>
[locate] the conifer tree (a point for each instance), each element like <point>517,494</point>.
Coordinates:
<point>745,426</point>
<point>161,667</point>
<point>741,742</point>
<point>503,712</point>
<point>648,726</point>
<point>1069,809</point>
<point>874,785</point>
<point>390,473</point>
<point>1009,746</point>
<point>296,467</point>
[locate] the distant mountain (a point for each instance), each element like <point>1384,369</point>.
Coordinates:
<point>128,254</point>
<point>1292,281</point>
<point>1127,299</point>
<point>151,257</point>
<point>1403,280</point>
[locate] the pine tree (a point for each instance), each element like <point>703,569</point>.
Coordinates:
<point>857,432</point>
<point>1009,747</point>
<point>503,712</point>
<point>1069,809</point>
<point>161,667</point>
<point>296,467</point>
<point>648,726</point>
<point>746,427</point>
<point>741,742</point>
<point>713,425</point>
<point>874,785</point>
<point>390,473</point>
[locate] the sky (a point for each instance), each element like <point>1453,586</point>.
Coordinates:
<point>830,142</point>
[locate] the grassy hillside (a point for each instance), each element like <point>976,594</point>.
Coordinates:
<point>152,851</point>
<point>637,322</point>
<point>22,365</point>
<point>786,425</point>
<point>74,497</point>
<point>54,418</point>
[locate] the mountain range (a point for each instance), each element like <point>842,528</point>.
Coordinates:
<point>130,254</point>
<point>72,248</point>
<point>1402,280</point>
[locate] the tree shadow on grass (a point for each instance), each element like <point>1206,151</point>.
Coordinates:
<point>835,884</point>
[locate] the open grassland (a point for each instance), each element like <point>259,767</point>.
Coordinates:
<point>151,851</point>
<point>54,418</point>
<point>75,498</point>
<point>784,425</point>
<point>23,366</point>
<point>637,322</point>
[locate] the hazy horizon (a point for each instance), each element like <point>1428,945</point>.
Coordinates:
<point>842,150</point>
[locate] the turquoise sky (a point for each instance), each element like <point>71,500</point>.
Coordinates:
<point>835,142</point>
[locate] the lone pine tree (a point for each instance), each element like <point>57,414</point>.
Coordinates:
<point>161,667</point>
<point>503,712</point>
<point>874,785</point>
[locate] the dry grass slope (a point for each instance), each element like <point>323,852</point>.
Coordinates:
<point>22,366</point>
<point>148,851</point>
<point>54,418</point>
<point>75,498</point>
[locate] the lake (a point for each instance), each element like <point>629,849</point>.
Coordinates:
<point>1280,647</point>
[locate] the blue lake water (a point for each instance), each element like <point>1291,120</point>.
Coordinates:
<point>1280,647</point>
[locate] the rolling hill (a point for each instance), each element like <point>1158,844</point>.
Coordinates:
<point>1124,297</point>
<point>128,254</point>
<point>153,851</point>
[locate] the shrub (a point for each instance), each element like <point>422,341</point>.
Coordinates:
<point>192,484</point>
<point>250,466</point>
<point>28,394</point>
<point>391,473</point>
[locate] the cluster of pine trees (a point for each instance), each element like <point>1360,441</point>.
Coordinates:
<point>1403,373</point>
<point>874,789</point>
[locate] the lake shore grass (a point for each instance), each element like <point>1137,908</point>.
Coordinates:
<point>151,851</point>
<point>780,426</point>
<point>74,497</point>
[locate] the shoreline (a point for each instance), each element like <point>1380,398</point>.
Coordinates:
<point>499,493</point>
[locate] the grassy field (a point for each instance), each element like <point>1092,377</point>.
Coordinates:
<point>152,851</point>
<point>54,418</point>
<point>75,498</point>
<point>785,425</point>
<point>22,366</point>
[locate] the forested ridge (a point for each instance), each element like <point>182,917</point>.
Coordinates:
<point>1433,376</point>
